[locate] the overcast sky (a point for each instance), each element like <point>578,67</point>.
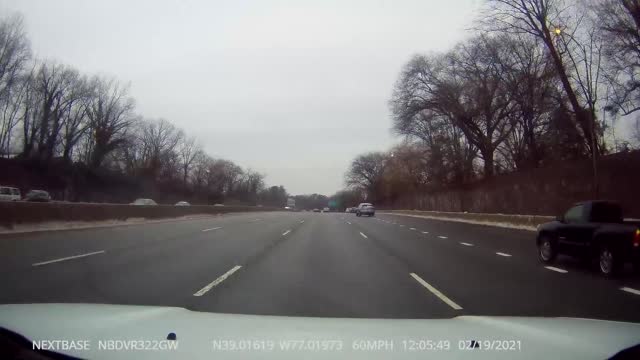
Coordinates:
<point>294,89</point>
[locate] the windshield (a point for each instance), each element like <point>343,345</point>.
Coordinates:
<point>358,160</point>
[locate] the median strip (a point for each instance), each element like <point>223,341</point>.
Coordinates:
<point>563,271</point>
<point>217,281</point>
<point>436,292</point>
<point>68,258</point>
<point>630,290</point>
<point>215,228</point>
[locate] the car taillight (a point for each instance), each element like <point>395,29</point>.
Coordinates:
<point>636,239</point>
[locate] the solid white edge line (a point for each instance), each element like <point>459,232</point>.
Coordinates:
<point>503,254</point>
<point>217,281</point>
<point>286,232</point>
<point>436,292</point>
<point>630,290</point>
<point>68,258</point>
<point>363,235</point>
<point>466,244</point>
<point>215,228</point>
<point>563,271</point>
<point>442,237</point>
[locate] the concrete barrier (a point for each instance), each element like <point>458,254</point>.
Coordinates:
<point>525,222</point>
<point>24,213</point>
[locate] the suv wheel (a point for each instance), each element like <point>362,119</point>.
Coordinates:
<point>547,251</point>
<point>608,261</point>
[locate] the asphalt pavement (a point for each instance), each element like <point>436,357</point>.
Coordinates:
<point>311,264</point>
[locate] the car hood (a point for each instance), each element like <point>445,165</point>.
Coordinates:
<point>196,332</point>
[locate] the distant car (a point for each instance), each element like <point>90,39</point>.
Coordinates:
<point>365,209</point>
<point>9,193</point>
<point>37,196</point>
<point>326,209</point>
<point>182,203</point>
<point>144,202</point>
<point>316,210</point>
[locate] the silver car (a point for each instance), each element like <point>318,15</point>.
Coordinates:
<point>366,209</point>
<point>144,202</point>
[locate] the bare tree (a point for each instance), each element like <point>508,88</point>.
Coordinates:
<point>12,110</point>
<point>59,87</point>
<point>619,21</point>
<point>533,86</point>
<point>15,52</point>
<point>465,88</point>
<point>110,113</point>
<point>160,140</point>
<point>188,151</point>
<point>76,121</point>
<point>556,23</point>
<point>366,172</point>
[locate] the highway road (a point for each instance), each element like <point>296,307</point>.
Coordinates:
<point>311,264</point>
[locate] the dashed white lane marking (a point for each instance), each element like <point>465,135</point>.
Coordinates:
<point>503,254</point>
<point>215,228</point>
<point>286,232</point>
<point>401,225</point>
<point>348,223</point>
<point>363,235</point>
<point>412,228</point>
<point>436,292</point>
<point>257,219</point>
<point>301,221</point>
<point>442,237</point>
<point>425,232</point>
<point>556,269</point>
<point>630,290</point>
<point>68,258</point>
<point>466,244</point>
<point>217,281</point>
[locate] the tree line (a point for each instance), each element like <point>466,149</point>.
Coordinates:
<point>538,81</point>
<point>51,113</point>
